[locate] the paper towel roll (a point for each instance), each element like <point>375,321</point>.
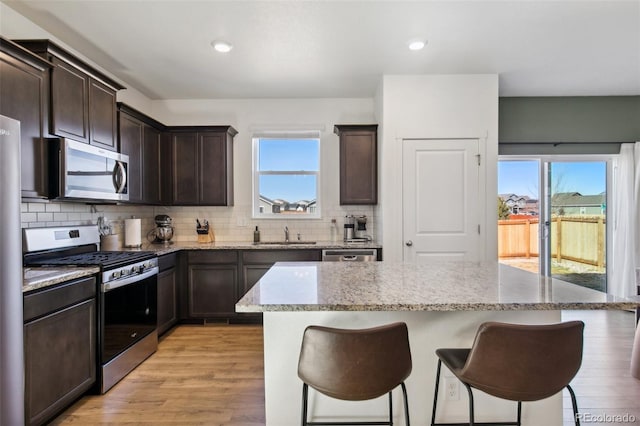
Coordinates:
<point>132,233</point>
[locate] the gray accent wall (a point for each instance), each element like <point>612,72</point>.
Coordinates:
<point>580,119</point>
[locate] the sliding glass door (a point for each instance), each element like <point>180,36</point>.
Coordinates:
<point>552,217</point>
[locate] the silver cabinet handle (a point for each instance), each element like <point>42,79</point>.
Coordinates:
<point>349,258</point>
<point>409,243</point>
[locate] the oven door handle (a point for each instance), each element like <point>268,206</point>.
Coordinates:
<point>112,285</point>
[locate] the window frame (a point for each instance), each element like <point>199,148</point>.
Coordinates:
<point>256,174</point>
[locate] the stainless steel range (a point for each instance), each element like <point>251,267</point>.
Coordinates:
<point>127,296</point>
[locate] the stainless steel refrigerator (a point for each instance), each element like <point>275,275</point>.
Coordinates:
<point>11,339</point>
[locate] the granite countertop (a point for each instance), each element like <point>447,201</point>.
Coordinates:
<point>387,286</point>
<point>162,249</point>
<point>36,278</point>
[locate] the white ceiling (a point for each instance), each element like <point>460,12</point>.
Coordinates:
<point>308,49</point>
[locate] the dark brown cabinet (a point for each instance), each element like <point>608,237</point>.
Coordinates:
<point>167,293</point>
<point>141,138</point>
<point>212,278</point>
<point>60,347</point>
<point>358,163</point>
<point>256,263</point>
<point>24,87</point>
<point>82,99</point>
<point>202,165</point>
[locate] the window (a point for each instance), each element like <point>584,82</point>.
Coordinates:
<point>286,175</point>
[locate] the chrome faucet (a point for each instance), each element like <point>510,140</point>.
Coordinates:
<point>286,234</point>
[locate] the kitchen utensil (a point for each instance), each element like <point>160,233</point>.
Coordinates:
<point>163,232</point>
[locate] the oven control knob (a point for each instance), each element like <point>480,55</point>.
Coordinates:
<point>116,274</point>
<point>135,269</point>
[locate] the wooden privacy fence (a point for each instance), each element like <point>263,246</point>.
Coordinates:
<point>576,238</point>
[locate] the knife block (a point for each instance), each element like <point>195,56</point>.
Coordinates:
<point>206,235</point>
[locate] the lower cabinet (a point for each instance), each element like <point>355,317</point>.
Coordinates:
<point>60,347</point>
<point>212,278</point>
<point>256,263</point>
<point>216,279</point>
<point>167,293</point>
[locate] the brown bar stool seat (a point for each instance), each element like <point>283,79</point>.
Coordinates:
<point>517,363</point>
<point>355,365</point>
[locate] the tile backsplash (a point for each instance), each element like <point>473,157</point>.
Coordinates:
<point>228,223</point>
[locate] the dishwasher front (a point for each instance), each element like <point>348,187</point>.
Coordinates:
<point>349,255</point>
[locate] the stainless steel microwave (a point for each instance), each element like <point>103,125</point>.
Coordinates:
<point>83,172</point>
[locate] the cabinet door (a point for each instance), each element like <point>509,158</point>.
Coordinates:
<point>102,115</point>
<point>184,151</point>
<point>69,102</point>
<point>151,170</point>
<point>60,359</point>
<point>251,275</point>
<point>212,290</point>
<point>130,131</point>
<point>213,169</point>
<point>167,300</point>
<point>359,165</point>
<point>24,96</point>
<point>166,169</point>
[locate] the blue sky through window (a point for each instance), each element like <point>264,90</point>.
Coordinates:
<point>289,155</point>
<point>521,177</point>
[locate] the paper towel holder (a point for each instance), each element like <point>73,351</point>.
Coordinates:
<point>132,233</point>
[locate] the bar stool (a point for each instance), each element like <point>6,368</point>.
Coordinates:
<point>517,363</point>
<point>355,365</point>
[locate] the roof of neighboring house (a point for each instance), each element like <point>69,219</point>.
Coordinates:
<point>266,199</point>
<point>575,199</point>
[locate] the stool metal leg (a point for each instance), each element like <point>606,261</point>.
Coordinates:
<point>519,413</point>
<point>471,413</point>
<point>305,394</point>
<point>574,403</point>
<point>390,409</point>
<point>406,403</point>
<point>435,394</point>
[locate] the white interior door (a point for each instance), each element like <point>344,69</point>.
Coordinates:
<point>441,200</point>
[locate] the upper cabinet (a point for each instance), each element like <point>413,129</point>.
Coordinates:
<point>202,165</point>
<point>358,163</point>
<point>145,142</point>
<point>83,100</point>
<point>24,89</point>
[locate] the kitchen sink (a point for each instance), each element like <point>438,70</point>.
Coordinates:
<point>284,243</point>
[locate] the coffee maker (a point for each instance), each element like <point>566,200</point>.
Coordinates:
<point>361,227</point>
<point>163,232</point>
<point>349,227</point>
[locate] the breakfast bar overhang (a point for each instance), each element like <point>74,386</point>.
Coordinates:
<point>442,304</point>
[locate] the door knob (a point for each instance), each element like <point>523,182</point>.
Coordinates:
<point>409,243</point>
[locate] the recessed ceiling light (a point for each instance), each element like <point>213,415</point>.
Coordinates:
<point>222,46</point>
<point>416,44</point>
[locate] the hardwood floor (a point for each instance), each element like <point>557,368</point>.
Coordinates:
<point>213,375</point>
<point>200,375</point>
<point>604,385</point>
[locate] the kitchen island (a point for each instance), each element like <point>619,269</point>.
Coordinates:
<point>442,304</point>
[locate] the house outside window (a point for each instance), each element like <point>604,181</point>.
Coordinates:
<point>286,175</point>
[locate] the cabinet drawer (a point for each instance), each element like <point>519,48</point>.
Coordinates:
<point>272,256</point>
<point>213,256</point>
<point>167,261</point>
<point>54,298</point>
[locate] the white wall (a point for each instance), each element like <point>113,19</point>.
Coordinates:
<point>441,107</point>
